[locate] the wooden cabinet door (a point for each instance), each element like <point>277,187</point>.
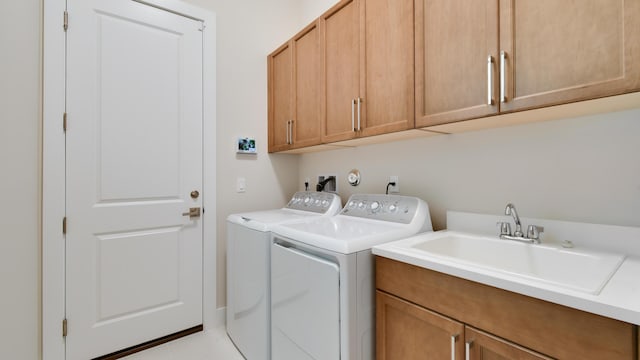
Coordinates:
<point>280,90</point>
<point>387,78</point>
<point>483,346</point>
<point>405,331</point>
<point>305,129</point>
<point>456,51</point>
<point>564,51</point>
<point>341,70</point>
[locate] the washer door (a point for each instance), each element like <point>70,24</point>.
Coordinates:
<point>305,305</point>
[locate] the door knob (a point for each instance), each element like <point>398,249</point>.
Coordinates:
<point>195,194</point>
<point>193,212</point>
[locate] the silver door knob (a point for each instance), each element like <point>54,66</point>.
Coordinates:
<point>195,194</point>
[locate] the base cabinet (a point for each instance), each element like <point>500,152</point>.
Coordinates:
<point>406,331</point>
<point>483,346</point>
<point>419,311</point>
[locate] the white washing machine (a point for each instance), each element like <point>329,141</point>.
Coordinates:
<point>248,267</point>
<point>322,277</point>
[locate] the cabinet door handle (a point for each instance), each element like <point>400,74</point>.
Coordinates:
<point>453,346</point>
<point>291,132</point>
<point>359,106</point>
<point>353,114</point>
<point>467,349</point>
<point>503,95</point>
<point>287,132</point>
<point>490,80</point>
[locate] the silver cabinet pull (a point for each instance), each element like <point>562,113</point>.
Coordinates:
<point>291,132</point>
<point>467,349</point>
<point>359,106</point>
<point>353,114</point>
<point>287,132</point>
<point>490,80</point>
<point>503,96</point>
<point>453,346</point>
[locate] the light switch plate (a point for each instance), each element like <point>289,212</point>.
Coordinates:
<point>241,185</point>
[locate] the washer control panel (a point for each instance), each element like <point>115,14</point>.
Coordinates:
<point>318,202</point>
<point>394,208</point>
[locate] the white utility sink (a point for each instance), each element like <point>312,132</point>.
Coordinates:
<point>577,269</point>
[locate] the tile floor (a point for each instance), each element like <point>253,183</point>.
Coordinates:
<point>212,344</point>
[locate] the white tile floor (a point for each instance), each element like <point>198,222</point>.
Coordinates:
<point>212,344</point>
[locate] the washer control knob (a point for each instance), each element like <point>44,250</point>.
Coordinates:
<point>352,204</point>
<point>361,205</point>
<point>375,206</point>
<point>393,208</point>
<point>307,200</point>
<point>325,203</point>
<point>318,202</point>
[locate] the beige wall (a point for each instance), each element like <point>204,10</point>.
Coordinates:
<point>20,29</point>
<point>248,31</point>
<point>584,169</point>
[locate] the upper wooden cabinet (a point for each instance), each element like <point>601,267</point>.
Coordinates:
<point>372,67</point>
<point>477,58</point>
<point>456,52</point>
<point>563,51</point>
<point>280,92</point>
<point>294,94</point>
<point>368,68</point>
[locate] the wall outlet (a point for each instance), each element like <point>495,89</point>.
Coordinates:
<point>331,185</point>
<point>396,188</point>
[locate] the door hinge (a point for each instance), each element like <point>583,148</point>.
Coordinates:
<point>64,225</point>
<point>64,327</point>
<point>64,122</point>
<point>65,21</point>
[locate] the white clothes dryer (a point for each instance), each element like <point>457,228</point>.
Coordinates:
<point>322,277</point>
<point>248,267</point>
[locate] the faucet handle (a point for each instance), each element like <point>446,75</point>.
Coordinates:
<point>533,231</point>
<point>505,228</point>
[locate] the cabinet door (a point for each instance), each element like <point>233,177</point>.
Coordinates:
<point>387,80</point>
<point>405,331</point>
<point>306,82</point>
<point>280,89</point>
<point>456,60</point>
<point>341,70</point>
<point>483,346</point>
<point>564,51</point>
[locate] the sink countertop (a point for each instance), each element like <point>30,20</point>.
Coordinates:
<point>619,298</point>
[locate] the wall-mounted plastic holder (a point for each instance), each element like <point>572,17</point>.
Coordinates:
<point>246,146</point>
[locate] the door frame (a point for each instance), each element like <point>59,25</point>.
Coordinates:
<point>53,170</point>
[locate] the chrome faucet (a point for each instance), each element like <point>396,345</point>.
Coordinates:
<point>511,210</point>
<point>533,231</point>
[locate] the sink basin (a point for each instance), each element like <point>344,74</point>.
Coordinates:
<point>581,270</point>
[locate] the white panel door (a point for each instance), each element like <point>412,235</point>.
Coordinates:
<point>134,155</point>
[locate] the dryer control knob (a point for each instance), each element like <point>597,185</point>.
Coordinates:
<point>375,206</point>
<point>393,208</point>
